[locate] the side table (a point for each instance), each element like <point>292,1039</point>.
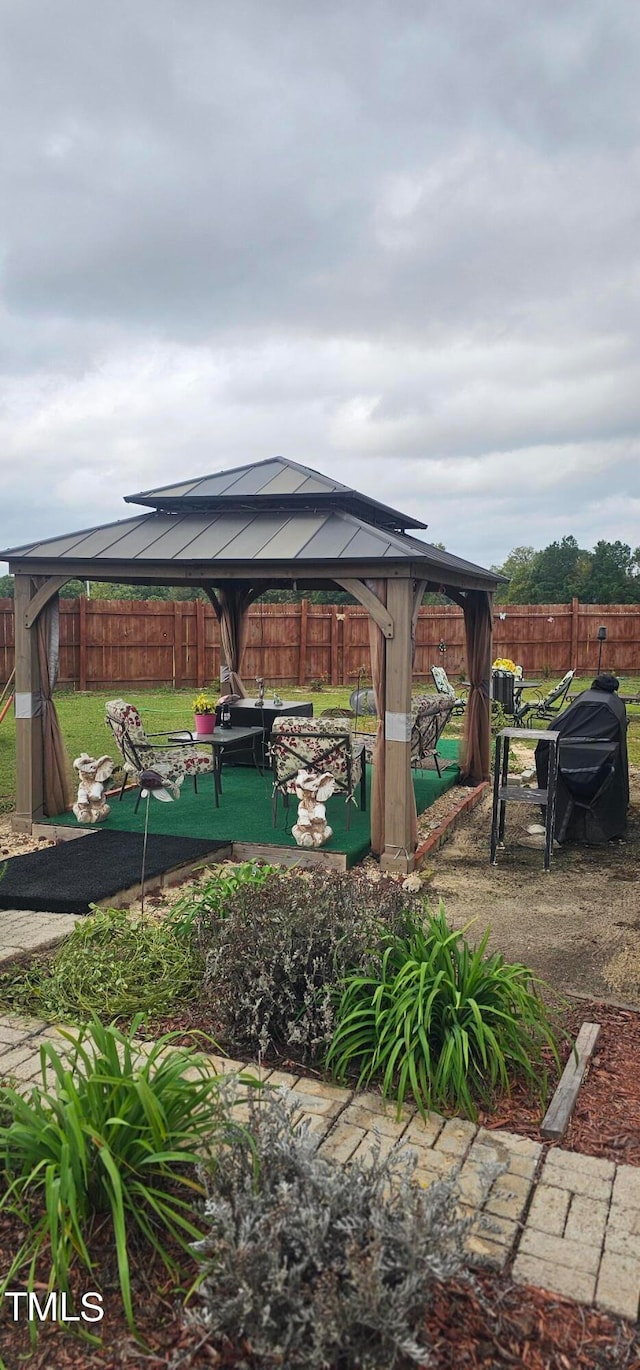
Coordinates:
<point>220,741</point>
<point>504,793</point>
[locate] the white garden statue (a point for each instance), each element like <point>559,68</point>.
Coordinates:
<point>313,790</point>
<point>93,773</point>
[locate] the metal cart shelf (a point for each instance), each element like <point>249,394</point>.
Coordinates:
<point>504,793</point>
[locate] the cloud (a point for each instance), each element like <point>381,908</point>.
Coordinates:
<point>397,242</point>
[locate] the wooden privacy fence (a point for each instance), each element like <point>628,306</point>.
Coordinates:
<point>109,644</point>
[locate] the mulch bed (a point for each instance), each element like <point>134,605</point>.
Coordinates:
<point>606,1121</point>
<point>494,1326</point>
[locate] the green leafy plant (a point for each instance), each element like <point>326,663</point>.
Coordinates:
<point>208,902</point>
<point>113,965</point>
<point>202,704</point>
<point>499,719</point>
<point>442,1021</point>
<point>109,1134</point>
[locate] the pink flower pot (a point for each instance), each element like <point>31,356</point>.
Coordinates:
<point>205,724</point>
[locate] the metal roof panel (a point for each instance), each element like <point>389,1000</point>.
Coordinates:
<point>213,541</point>
<point>291,539</point>
<point>331,539</point>
<point>307,537</point>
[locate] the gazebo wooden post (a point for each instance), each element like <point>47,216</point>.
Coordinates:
<point>399,848</point>
<point>29,749</point>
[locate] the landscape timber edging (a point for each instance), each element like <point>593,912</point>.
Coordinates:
<point>450,823</point>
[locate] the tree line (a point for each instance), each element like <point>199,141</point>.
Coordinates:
<point>609,574</point>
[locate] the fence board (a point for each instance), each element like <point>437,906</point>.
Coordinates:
<point>107,644</point>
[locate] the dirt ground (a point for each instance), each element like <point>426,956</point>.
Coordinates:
<point>578,926</point>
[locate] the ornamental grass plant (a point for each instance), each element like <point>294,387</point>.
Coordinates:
<point>104,1151</point>
<point>441,1022</point>
<point>116,963</point>
<point>112,965</point>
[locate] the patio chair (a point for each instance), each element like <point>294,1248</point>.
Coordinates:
<point>445,688</point>
<point>552,704</point>
<point>429,718</point>
<point>319,745</point>
<point>140,751</point>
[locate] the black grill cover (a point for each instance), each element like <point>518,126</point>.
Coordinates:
<point>593,772</point>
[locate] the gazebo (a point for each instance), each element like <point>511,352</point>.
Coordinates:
<point>236,534</point>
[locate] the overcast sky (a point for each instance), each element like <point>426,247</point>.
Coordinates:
<point>394,241</point>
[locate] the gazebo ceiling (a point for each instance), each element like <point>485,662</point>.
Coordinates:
<point>238,521</point>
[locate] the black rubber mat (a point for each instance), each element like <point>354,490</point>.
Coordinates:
<point>69,877</point>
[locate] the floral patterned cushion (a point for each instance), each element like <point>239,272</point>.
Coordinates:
<point>318,744</point>
<point>173,761</point>
<point>429,717</point>
<point>442,683</point>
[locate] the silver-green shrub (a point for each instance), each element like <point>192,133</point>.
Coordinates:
<point>313,1265</point>
<point>273,961</point>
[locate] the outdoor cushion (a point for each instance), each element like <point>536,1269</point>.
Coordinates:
<point>429,717</point>
<point>141,752</point>
<point>324,744</point>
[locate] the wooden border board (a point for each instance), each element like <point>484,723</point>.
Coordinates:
<point>558,1114</point>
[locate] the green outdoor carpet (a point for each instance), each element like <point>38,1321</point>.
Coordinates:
<point>245,809</point>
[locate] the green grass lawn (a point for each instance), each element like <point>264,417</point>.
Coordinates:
<point>82,722</point>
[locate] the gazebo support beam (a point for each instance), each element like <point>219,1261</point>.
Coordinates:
<point>43,595</point>
<point>370,602</point>
<point>399,848</point>
<point>29,750</point>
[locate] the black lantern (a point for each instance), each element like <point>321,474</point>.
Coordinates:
<point>602,637</point>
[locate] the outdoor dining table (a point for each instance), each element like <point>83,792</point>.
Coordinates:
<point>518,685</point>
<point>221,740</point>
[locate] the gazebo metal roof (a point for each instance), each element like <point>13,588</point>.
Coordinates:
<point>275,484</point>
<point>220,522</point>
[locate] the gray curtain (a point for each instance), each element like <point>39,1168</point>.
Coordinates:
<point>57,783</point>
<point>476,746</point>
<point>231,603</point>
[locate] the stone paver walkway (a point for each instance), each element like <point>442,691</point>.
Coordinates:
<point>23,930</point>
<point>565,1222</point>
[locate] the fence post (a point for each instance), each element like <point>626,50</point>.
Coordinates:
<point>575,610</point>
<point>302,656</point>
<point>200,644</point>
<point>82,643</point>
<point>334,645</point>
<point>177,644</point>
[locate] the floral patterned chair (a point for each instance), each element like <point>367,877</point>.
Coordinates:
<point>445,688</point>
<point>140,751</point>
<point>429,717</point>
<point>319,745</point>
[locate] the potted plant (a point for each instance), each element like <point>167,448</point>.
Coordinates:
<point>205,715</point>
